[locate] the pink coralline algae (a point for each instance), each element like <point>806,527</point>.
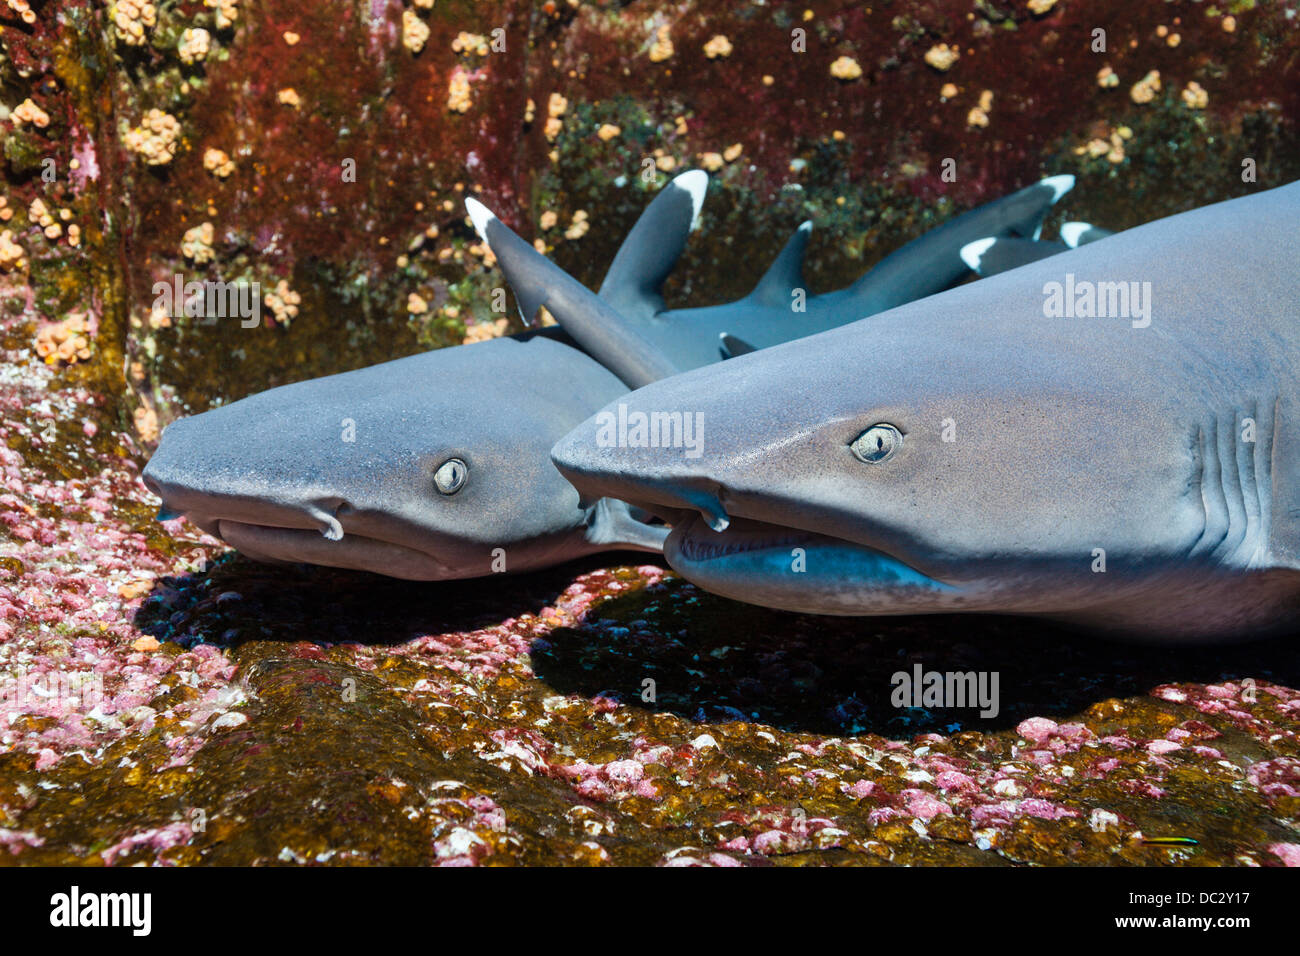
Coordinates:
<point>1279,777</point>
<point>156,839</point>
<point>74,561</point>
<point>1288,852</point>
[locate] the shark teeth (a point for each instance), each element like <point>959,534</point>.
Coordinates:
<point>703,549</point>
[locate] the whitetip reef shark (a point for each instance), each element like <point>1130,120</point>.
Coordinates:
<point>981,450</point>
<point>437,466</point>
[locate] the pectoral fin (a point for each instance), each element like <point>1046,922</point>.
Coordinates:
<point>610,525</point>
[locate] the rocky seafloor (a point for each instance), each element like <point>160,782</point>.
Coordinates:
<point>235,713</point>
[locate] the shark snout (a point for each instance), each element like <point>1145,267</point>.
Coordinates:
<point>210,499</point>
<point>650,471</point>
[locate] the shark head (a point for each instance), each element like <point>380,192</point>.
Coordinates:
<point>408,468</point>
<point>960,453</point>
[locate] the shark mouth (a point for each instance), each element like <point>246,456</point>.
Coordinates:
<point>791,569</point>
<point>355,552</point>
<point>302,533</point>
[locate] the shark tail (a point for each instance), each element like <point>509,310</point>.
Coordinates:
<point>593,323</point>
<point>994,254</point>
<point>1075,234</point>
<point>932,262</point>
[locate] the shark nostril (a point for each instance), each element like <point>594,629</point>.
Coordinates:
<point>710,507</point>
<point>330,529</point>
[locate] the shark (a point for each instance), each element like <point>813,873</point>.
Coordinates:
<point>985,450</point>
<point>437,466</point>
<point>409,468</point>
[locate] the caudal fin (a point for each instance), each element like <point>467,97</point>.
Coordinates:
<point>1075,234</point>
<point>932,262</point>
<point>994,254</point>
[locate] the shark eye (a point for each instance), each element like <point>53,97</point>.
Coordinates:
<point>877,443</point>
<point>450,476</point>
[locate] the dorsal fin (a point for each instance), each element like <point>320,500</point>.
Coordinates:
<point>733,345</point>
<point>1075,234</point>
<point>786,271</point>
<point>601,331</point>
<point>652,248</point>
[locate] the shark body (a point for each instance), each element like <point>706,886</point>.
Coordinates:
<point>982,450</point>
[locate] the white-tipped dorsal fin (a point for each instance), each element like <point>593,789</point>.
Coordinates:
<point>786,271</point>
<point>653,246</point>
<point>1075,234</point>
<point>973,252</point>
<point>480,215</point>
<point>695,182</point>
<point>1060,185</point>
<point>1072,232</point>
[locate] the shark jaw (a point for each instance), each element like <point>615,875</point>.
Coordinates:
<point>795,570</point>
<point>327,532</point>
<point>351,551</point>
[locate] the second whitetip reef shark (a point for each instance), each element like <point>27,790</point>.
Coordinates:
<point>1108,437</point>
<point>437,466</point>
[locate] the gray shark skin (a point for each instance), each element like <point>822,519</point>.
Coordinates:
<point>627,328</point>
<point>969,453</point>
<point>274,476</point>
